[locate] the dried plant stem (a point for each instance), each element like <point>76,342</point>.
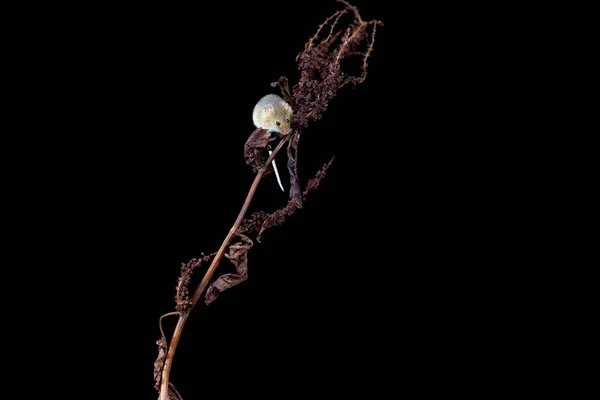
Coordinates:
<point>164,386</point>
<point>337,16</point>
<point>160,322</point>
<point>175,392</point>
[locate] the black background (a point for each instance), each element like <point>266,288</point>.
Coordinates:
<point>393,270</point>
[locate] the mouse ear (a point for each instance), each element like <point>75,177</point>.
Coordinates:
<point>269,109</point>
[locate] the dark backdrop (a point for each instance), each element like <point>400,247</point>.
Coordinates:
<point>387,277</point>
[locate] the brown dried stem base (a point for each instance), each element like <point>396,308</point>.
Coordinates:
<point>164,387</point>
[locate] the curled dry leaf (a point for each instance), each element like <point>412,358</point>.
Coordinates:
<point>238,255</point>
<point>285,89</point>
<point>254,148</point>
<point>292,152</point>
<point>160,361</point>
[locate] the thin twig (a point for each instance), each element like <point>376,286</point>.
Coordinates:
<point>369,50</point>
<point>348,39</point>
<point>342,12</point>
<point>164,386</point>
<point>160,322</point>
<point>175,392</point>
<point>312,39</point>
<point>353,8</point>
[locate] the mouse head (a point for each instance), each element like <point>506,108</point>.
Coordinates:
<point>278,117</point>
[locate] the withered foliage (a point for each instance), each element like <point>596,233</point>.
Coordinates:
<point>159,364</point>
<point>238,255</point>
<point>254,148</point>
<point>320,64</point>
<point>341,37</point>
<point>259,222</point>
<point>292,153</point>
<point>162,352</point>
<point>321,77</point>
<point>160,361</point>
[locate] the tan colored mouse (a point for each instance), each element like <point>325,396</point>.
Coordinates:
<point>274,114</point>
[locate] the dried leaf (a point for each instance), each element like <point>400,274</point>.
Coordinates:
<point>160,361</point>
<point>292,152</point>
<point>254,148</point>
<point>238,255</point>
<point>284,86</point>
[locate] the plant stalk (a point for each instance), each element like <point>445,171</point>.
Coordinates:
<point>164,385</point>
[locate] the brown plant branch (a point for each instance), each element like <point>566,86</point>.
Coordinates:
<point>174,392</point>
<point>337,14</point>
<point>162,348</point>
<point>316,181</point>
<point>164,387</point>
<point>342,12</point>
<point>353,8</point>
<point>369,50</point>
<point>162,333</point>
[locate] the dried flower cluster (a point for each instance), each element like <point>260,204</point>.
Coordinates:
<point>321,73</point>
<point>182,296</point>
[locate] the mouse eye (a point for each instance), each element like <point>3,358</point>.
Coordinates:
<point>278,123</point>
<point>288,121</point>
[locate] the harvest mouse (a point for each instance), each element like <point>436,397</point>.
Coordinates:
<point>274,114</point>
